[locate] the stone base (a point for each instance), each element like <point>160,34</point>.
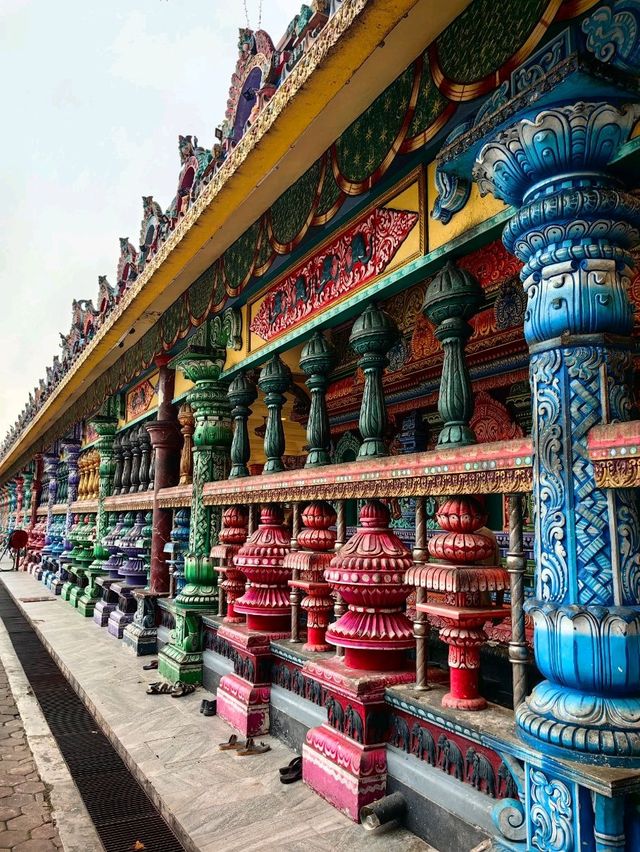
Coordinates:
<point>143,641</point>
<point>87,605</point>
<point>243,705</point>
<point>56,585</point>
<point>76,594</point>
<point>102,611</point>
<point>345,773</point>
<point>174,664</point>
<point>67,587</point>
<point>118,620</point>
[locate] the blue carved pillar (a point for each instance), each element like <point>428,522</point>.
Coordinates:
<point>71,447</point>
<point>574,227</point>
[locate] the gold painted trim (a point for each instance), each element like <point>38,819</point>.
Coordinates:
<point>617,473</point>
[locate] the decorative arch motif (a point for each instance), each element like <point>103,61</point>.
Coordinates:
<point>346,449</point>
<point>491,420</point>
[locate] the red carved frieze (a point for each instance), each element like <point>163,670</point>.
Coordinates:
<point>352,260</point>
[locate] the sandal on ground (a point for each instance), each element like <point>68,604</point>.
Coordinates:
<point>292,775</point>
<point>251,748</point>
<point>181,689</point>
<point>231,743</point>
<point>291,766</point>
<point>150,666</point>
<point>209,707</point>
<point>159,688</point>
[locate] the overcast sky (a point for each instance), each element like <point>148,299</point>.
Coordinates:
<point>93,96</point>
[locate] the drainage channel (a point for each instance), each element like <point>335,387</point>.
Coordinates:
<point>121,811</point>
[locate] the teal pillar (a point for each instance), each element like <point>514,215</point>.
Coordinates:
<point>372,335</point>
<point>202,361</point>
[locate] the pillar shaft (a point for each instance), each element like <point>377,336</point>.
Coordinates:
<point>242,394</point>
<point>373,334</point>
<point>275,379</point>
<point>165,439</point>
<point>316,361</point>
<point>573,229</point>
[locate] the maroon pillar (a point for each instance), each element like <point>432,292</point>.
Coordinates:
<point>36,490</point>
<point>165,440</point>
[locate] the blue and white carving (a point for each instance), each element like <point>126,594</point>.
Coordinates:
<point>550,813</point>
<point>574,229</point>
<point>613,35</point>
<point>453,191</point>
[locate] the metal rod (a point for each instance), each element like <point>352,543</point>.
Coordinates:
<point>420,623</point>
<point>339,607</point>
<point>516,564</point>
<point>294,593</point>
<point>341,527</point>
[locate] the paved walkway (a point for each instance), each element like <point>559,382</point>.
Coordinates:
<point>213,800</point>
<point>26,824</point>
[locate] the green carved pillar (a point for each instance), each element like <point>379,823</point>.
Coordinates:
<point>105,424</point>
<point>372,335</point>
<point>202,361</point>
<point>452,298</point>
<point>316,360</point>
<point>242,394</point>
<point>275,379</point>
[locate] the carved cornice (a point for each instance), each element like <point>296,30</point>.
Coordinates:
<point>177,497</point>
<point>87,507</point>
<point>496,468</point>
<point>614,451</point>
<point>129,502</point>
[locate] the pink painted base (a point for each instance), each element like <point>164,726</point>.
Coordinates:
<point>345,773</point>
<point>244,706</point>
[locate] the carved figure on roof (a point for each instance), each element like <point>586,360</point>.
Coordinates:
<point>127,266</point>
<point>106,296</point>
<point>153,221</point>
<point>194,160</point>
<point>253,72</point>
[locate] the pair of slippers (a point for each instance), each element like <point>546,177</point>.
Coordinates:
<point>244,749</point>
<point>209,707</point>
<point>292,772</point>
<point>176,690</point>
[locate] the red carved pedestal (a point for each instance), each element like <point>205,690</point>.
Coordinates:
<point>368,573</point>
<point>345,759</point>
<point>243,697</point>
<point>466,588</point>
<point>232,536</point>
<point>308,566</point>
<point>266,602</point>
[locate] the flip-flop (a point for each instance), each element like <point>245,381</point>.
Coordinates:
<point>159,688</point>
<point>294,774</point>
<point>181,689</point>
<point>150,666</point>
<point>252,749</point>
<point>232,743</point>
<point>293,764</point>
